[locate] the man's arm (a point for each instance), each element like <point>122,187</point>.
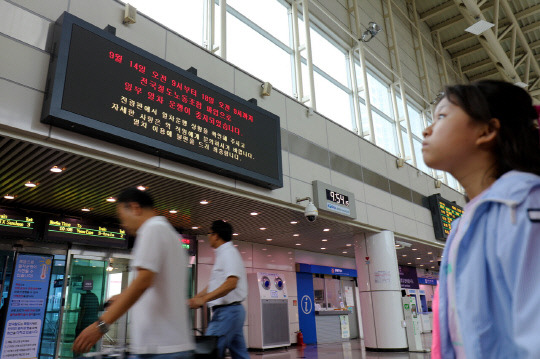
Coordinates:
<point>224,289</point>
<point>89,336</point>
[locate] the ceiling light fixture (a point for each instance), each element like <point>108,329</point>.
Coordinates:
<point>30,184</point>
<point>269,239</point>
<point>204,202</point>
<point>293,222</point>
<point>142,188</point>
<point>372,30</point>
<point>56,169</point>
<point>194,227</point>
<point>323,248</point>
<point>173,211</point>
<point>296,235</point>
<point>325,240</point>
<point>348,244</point>
<point>344,252</point>
<point>298,244</point>
<point>254,213</point>
<point>9,196</point>
<point>262,228</point>
<point>326,230</point>
<point>415,249</point>
<point>85,209</point>
<point>111,199</point>
<point>418,258</point>
<point>235,234</point>
<point>409,263</point>
<point>479,27</point>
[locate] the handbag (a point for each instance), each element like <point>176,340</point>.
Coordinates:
<point>206,346</point>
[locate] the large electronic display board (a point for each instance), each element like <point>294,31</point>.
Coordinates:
<point>80,231</point>
<point>443,212</point>
<point>17,224</point>
<point>105,87</point>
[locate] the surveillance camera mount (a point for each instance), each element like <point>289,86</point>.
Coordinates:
<point>298,199</point>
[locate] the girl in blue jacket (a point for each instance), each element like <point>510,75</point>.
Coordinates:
<point>486,135</point>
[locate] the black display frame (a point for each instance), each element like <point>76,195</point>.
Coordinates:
<point>436,215</point>
<point>54,114</point>
<point>15,232</point>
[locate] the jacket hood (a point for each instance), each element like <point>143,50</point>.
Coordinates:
<point>513,186</point>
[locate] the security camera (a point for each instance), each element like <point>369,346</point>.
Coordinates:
<point>311,212</point>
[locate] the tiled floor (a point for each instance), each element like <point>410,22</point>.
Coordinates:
<point>353,349</point>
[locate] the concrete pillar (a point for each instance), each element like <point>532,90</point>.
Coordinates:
<point>380,292</point>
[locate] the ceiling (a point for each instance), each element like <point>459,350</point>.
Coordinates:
<point>87,183</point>
<point>508,51</point>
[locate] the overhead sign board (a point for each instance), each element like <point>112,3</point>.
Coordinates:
<point>84,232</point>
<point>333,199</point>
<point>105,87</point>
<point>443,212</point>
<point>17,223</point>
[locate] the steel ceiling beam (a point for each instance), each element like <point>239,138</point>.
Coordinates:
<point>437,10</point>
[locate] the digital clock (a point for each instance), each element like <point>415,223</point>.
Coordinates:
<point>337,197</point>
<point>443,212</point>
<point>104,87</point>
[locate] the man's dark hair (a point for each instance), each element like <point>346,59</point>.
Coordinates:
<point>135,195</point>
<point>223,229</point>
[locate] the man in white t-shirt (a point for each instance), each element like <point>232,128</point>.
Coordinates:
<point>225,292</point>
<point>159,318</point>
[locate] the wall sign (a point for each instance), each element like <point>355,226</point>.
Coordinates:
<point>26,307</point>
<point>312,268</point>
<point>332,199</point>
<point>306,314</point>
<point>105,87</point>
<point>443,212</point>
<point>84,232</point>
<point>408,277</point>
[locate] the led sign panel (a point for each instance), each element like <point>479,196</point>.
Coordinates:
<point>105,87</point>
<point>332,199</point>
<point>19,224</point>
<point>443,212</point>
<point>83,232</point>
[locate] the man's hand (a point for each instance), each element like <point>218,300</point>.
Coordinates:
<point>87,339</point>
<point>196,302</point>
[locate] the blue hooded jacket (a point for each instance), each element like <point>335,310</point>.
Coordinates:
<point>497,273</point>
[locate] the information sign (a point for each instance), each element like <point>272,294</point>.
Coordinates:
<point>83,232</point>
<point>105,87</point>
<point>443,212</point>
<point>332,199</point>
<point>26,307</point>
<point>16,223</point>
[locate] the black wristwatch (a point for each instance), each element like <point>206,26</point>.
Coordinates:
<point>102,327</point>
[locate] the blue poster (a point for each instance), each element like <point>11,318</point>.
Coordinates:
<point>26,308</point>
<point>306,307</point>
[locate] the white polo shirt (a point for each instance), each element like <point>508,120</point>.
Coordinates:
<point>159,322</point>
<point>228,263</point>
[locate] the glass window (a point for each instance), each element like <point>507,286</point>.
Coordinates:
<point>333,293</point>
<point>359,80</point>
<point>319,293</point>
<point>270,15</point>
<point>365,120</point>
<point>415,118</point>
<point>328,57</point>
<point>184,17</point>
<point>406,146</point>
<point>385,134</point>
<point>420,164</point>
<point>379,94</point>
<point>261,57</point>
<point>333,102</point>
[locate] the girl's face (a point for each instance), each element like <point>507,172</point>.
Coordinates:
<point>450,141</point>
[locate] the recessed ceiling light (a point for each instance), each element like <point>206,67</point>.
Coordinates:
<point>298,244</point>
<point>293,222</point>
<point>432,266</point>
<point>421,265</point>
<point>344,252</point>
<point>254,213</point>
<point>85,209</point>
<point>404,255</point>
<point>348,244</point>
<point>409,263</point>
<point>262,228</point>
<point>236,245</point>
<point>204,202</point>
<point>235,234</point>
<point>323,248</point>
<point>479,27</point>
<point>194,227</point>
<point>142,188</point>
<point>325,240</point>
<point>56,169</point>
<point>295,235</point>
<point>30,184</point>
<point>264,249</point>
<point>431,261</point>
<point>268,239</point>
<point>111,199</point>
<point>326,230</point>
<point>419,258</point>
<point>9,196</point>
<point>429,252</point>
<point>173,211</point>
<point>415,249</point>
